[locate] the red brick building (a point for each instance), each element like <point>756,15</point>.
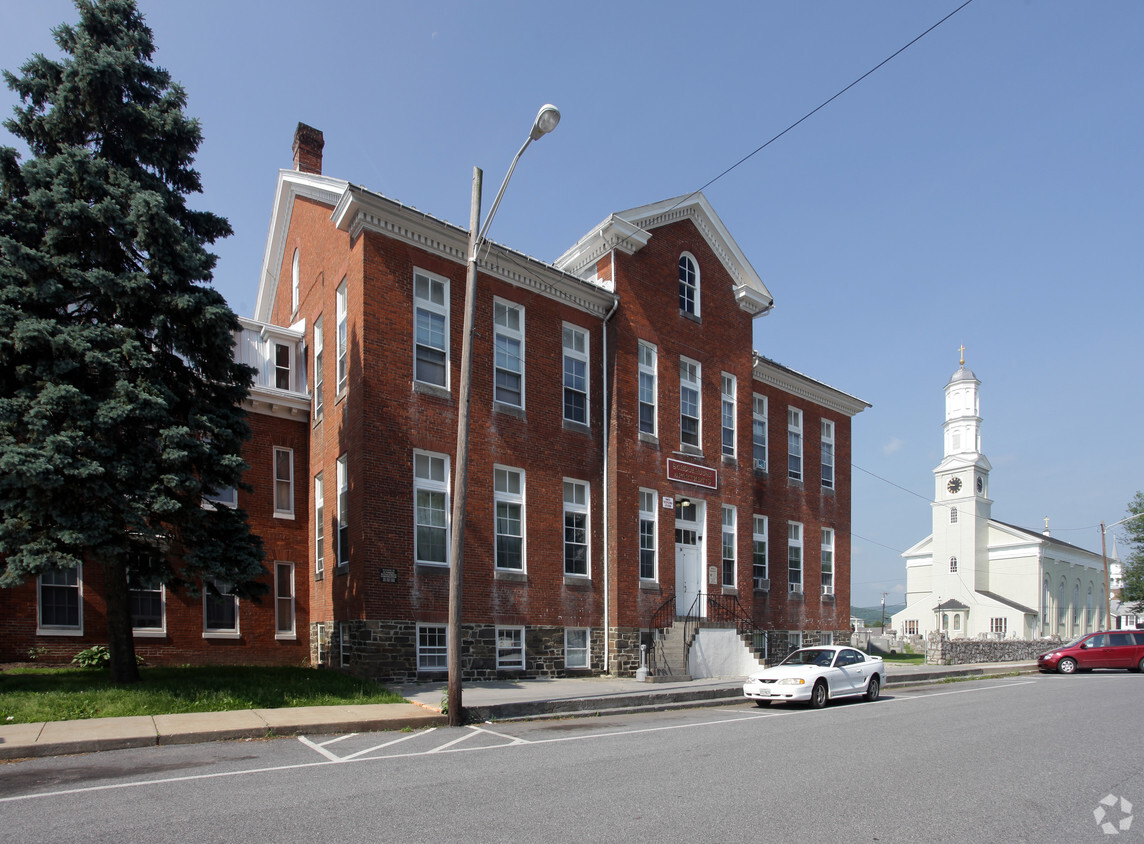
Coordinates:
<point>629,452</point>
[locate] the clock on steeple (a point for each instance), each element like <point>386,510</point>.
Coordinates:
<point>954,485</point>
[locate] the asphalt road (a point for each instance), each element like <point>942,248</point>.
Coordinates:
<point>1017,759</point>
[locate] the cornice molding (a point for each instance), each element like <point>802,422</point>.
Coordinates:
<point>359,210</point>
<point>780,377</point>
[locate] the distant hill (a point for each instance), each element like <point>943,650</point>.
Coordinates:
<point>873,615</point>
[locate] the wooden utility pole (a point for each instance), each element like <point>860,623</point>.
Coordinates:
<point>461,473</point>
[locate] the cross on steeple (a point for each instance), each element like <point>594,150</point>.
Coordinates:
<point>962,351</point>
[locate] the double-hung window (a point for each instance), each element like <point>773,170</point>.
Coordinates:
<point>827,561</point>
<point>576,643</point>
<point>647,535</point>
<point>760,569</point>
<point>319,345</point>
<point>430,329</point>
<point>729,518</point>
<point>794,557</point>
<point>575,528</point>
<point>282,366</point>
<point>432,647</point>
<point>146,597</point>
<point>319,526</point>
<point>342,528</point>
<point>220,613</point>
<point>510,648</point>
<point>508,353</point>
<point>431,503</point>
<point>688,285</point>
<point>575,374</point>
<point>759,432</point>
<point>508,496</point>
<point>342,315</point>
<point>794,444</point>
<point>727,414</point>
<point>284,600</point>
<point>647,374</point>
<point>284,483</point>
<point>60,599</point>
<point>689,402</point>
<point>827,454</point>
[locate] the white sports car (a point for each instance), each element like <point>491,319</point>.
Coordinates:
<point>816,675</point>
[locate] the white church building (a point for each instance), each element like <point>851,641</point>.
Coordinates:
<point>976,576</point>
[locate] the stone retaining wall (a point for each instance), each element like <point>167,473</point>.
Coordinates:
<point>941,650</point>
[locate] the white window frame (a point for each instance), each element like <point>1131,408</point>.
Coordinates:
<point>510,649</point>
<point>505,478</point>
<point>284,604</point>
<point>319,380</point>
<point>826,567</point>
<point>220,632</point>
<point>342,315</point>
<point>572,648</point>
<point>648,533</point>
<point>282,369</point>
<point>688,286</point>
<point>283,468</point>
<point>431,309</point>
<point>796,559</point>
<point>432,655</point>
<point>953,565</point>
<point>646,386</point>
<point>690,380</point>
<point>794,444</point>
<point>758,432</point>
<point>578,508</point>
<point>759,538</point>
<point>76,629</point>
<point>728,409</point>
<point>729,547</point>
<point>999,624</point>
<point>573,384</point>
<point>502,330</point>
<point>427,478</point>
<point>827,454</point>
<point>160,589</point>
<point>319,525</point>
<point>911,627</point>
<point>342,532</point>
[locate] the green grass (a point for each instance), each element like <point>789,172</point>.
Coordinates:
<point>914,659</point>
<point>29,695</point>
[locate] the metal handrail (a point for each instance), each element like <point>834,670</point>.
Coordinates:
<point>720,609</point>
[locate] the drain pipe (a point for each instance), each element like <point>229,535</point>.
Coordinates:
<point>607,438</point>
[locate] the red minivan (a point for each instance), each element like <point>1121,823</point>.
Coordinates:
<point>1115,649</point>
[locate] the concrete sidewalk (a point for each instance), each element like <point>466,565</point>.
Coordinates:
<point>488,701</point>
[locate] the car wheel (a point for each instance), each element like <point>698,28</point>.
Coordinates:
<point>1140,667</point>
<point>762,704</point>
<point>819,696</point>
<point>873,689</point>
<point>1067,666</point>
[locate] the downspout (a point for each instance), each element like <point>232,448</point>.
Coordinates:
<point>607,437</point>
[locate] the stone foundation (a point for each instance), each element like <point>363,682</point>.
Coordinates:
<point>387,651</point>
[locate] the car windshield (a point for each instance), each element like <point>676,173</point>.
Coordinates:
<point>810,656</point>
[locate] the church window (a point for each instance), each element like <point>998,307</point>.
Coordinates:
<point>957,621</point>
<point>998,625</point>
<point>1076,608</point>
<point>953,515</point>
<point>1088,614</point>
<point>911,628</point>
<point>952,565</point>
<point>1062,608</point>
<point>944,621</point>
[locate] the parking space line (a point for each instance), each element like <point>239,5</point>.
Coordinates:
<point>333,757</point>
<point>447,745</point>
<point>510,739</point>
<point>388,744</point>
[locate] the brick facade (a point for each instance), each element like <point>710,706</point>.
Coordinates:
<point>380,612</point>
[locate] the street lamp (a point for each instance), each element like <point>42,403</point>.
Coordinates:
<point>1104,558</point>
<point>545,122</point>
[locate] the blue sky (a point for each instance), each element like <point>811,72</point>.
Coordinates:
<point>983,188</point>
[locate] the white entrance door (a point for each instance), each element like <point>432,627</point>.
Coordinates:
<point>688,561</point>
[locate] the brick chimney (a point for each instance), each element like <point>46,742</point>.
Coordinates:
<point>308,143</point>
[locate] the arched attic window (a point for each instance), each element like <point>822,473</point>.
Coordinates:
<point>688,284</point>
<point>295,283</point>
